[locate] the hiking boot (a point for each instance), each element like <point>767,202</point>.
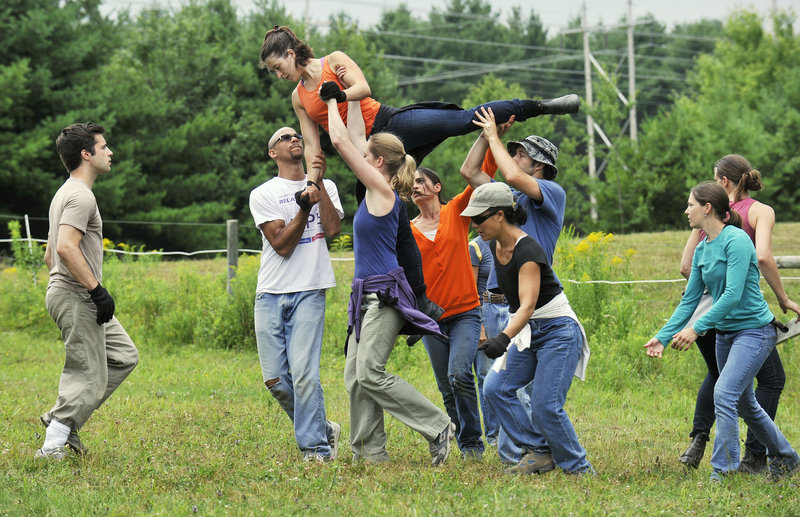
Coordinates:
<point>560,106</point>
<point>440,447</point>
<point>333,441</point>
<point>533,463</point>
<point>717,476</point>
<point>73,440</point>
<point>755,464</point>
<point>56,454</point>
<point>692,456</point>
<point>782,467</point>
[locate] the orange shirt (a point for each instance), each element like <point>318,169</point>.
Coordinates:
<point>318,110</point>
<point>445,260</point>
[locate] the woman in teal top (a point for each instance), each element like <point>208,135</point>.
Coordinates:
<point>725,263</point>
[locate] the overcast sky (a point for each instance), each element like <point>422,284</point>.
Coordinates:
<point>554,14</point>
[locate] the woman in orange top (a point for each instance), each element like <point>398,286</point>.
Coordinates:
<point>421,126</point>
<point>441,234</point>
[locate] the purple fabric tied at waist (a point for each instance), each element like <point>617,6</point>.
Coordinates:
<point>393,290</point>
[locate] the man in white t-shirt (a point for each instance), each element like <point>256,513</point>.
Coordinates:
<point>290,297</point>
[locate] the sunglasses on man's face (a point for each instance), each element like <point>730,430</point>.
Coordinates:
<point>286,138</point>
<point>478,220</point>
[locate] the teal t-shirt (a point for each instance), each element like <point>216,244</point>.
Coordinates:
<point>727,266</point>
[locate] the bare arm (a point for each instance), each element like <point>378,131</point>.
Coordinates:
<point>688,253</point>
<point>515,176</point>
<point>529,284</point>
<point>310,131</point>
<point>284,237</point>
<point>380,196</point>
<point>353,78</point>
<point>763,217</point>
<point>69,251</point>
<point>471,168</point>
<point>48,258</point>
<point>329,217</point>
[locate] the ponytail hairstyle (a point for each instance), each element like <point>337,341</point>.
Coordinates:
<point>711,192</point>
<point>515,214</point>
<point>431,175</point>
<point>739,172</point>
<point>399,164</point>
<point>278,41</point>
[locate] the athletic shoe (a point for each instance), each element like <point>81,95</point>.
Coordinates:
<point>56,454</point>
<point>441,446</point>
<point>533,463</point>
<point>333,440</point>
<point>73,440</point>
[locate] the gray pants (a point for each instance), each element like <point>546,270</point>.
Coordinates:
<point>373,390</point>
<point>98,358</point>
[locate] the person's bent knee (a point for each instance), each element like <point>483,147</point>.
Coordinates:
<point>462,381</point>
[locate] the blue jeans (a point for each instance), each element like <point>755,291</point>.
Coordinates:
<point>289,338</point>
<point>550,363</point>
<point>496,319</point>
<point>418,127</point>
<point>740,355</point>
<point>482,365</point>
<point>452,367</point>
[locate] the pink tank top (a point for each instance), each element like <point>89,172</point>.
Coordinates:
<point>742,207</point>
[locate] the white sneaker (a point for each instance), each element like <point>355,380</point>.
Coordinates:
<point>56,454</point>
<point>333,441</point>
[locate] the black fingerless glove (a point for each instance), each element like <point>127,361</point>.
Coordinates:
<point>303,201</point>
<point>496,346</point>
<point>104,303</point>
<point>331,90</point>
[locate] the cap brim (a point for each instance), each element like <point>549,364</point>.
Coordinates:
<point>474,209</point>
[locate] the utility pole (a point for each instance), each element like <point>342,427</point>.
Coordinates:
<point>632,77</point>
<point>587,75</point>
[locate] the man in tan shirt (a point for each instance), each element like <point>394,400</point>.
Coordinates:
<point>99,353</point>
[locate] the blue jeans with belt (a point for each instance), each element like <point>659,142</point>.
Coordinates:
<point>550,363</point>
<point>740,355</point>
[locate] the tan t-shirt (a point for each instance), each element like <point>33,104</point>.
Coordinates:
<point>75,205</point>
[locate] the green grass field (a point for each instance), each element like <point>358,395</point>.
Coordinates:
<point>193,431</point>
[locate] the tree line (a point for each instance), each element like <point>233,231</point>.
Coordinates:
<point>188,112</point>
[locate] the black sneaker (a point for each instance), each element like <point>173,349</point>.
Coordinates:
<point>441,446</point>
<point>73,440</point>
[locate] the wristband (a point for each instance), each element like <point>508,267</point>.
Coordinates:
<point>309,183</point>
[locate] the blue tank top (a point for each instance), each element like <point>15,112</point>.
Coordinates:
<point>375,240</point>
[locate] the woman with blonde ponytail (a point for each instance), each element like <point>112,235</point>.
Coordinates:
<point>737,178</point>
<point>382,303</point>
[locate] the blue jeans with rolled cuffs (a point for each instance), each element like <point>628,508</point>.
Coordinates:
<point>289,338</point>
<point>550,363</point>
<point>740,355</point>
<point>452,366</point>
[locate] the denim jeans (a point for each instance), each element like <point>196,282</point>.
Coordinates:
<point>550,363</point>
<point>496,318</point>
<point>739,357</point>
<point>289,338</point>
<point>417,127</point>
<point>482,365</point>
<point>770,378</point>
<point>452,367</point>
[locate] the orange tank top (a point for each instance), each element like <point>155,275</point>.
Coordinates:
<point>318,110</point>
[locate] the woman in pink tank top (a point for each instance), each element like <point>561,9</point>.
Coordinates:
<point>736,176</point>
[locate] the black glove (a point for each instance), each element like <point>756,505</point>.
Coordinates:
<point>104,303</point>
<point>303,201</point>
<point>496,346</point>
<point>429,307</point>
<point>331,90</point>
